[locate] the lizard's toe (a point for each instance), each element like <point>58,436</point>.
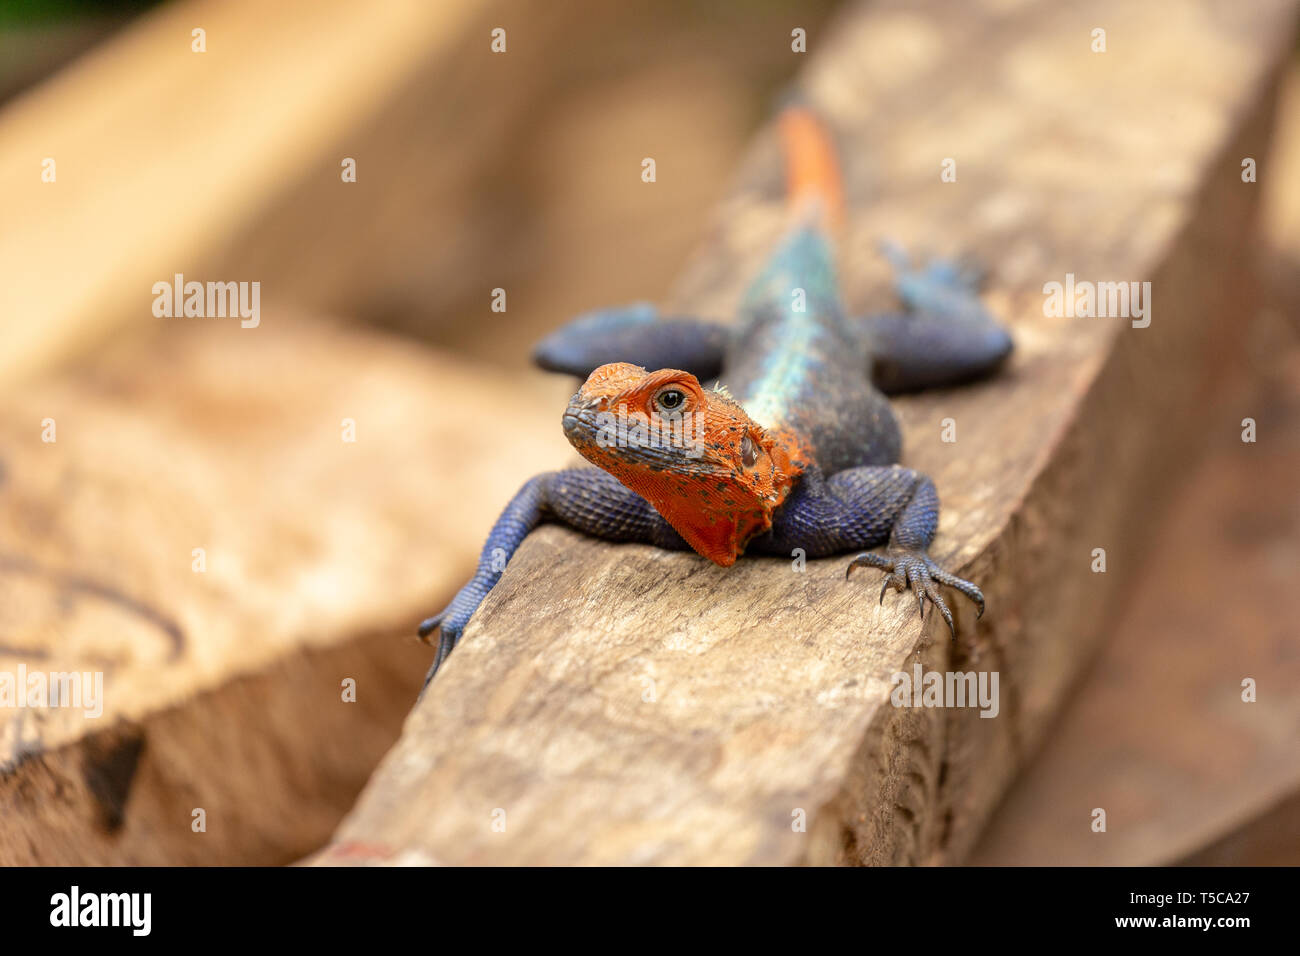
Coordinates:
<point>446,644</point>
<point>919,582</point>
<point>960,584</point>
<point>429,625</point>
<point>936,599</point>
<point>447,639</point>
<point>450,623</point>
<point>916,571</point>
<point>869,559</point>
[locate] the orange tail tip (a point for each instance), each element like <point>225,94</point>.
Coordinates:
<point>813,181</point>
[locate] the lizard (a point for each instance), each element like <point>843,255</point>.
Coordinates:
<point>795,446</point>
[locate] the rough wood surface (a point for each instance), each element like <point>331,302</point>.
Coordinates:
<point>223,689</point>
<point>619,704</point>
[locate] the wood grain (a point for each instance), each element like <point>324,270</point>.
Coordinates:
<point>623,705</point>
<point>223,687</point>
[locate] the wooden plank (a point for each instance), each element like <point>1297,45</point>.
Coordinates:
<point>222,688</point>
<point>1159,735</point>
<point>623,705</point>
<point>163,155</point>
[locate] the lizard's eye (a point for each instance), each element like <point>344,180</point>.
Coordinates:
<point>748,453</point>
<point>671,400</point>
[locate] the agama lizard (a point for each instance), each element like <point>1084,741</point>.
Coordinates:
<point>798,450</point>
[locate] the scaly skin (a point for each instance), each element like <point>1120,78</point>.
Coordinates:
<point>798,450</point>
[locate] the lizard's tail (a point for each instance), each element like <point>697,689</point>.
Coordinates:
<point>813,183</point>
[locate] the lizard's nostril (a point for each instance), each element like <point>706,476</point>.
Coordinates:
<point>579,416</point>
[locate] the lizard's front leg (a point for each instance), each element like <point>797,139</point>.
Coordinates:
<point>636,334</point>
<point>869,506</point>
<point>586,499</point>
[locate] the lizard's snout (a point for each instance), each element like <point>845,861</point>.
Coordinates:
<point>580,416</point>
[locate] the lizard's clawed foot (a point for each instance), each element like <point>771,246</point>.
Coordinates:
<point>945,287</point>
<point>446,641</point>
<point>447,638</point>
<point>916,570</point>
<point>451,621</point>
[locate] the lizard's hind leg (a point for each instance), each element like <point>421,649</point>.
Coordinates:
<point>945,337</point>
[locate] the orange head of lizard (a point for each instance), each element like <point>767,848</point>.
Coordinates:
<point>692,452</point>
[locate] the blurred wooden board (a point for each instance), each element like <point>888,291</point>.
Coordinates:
<point>475,170</point>
<point>163,155</point>
<point>1162,680</point>
<point>623,705</point>
<point>1159,735</point>
<point>223,689</point>
<point>523,171</point>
